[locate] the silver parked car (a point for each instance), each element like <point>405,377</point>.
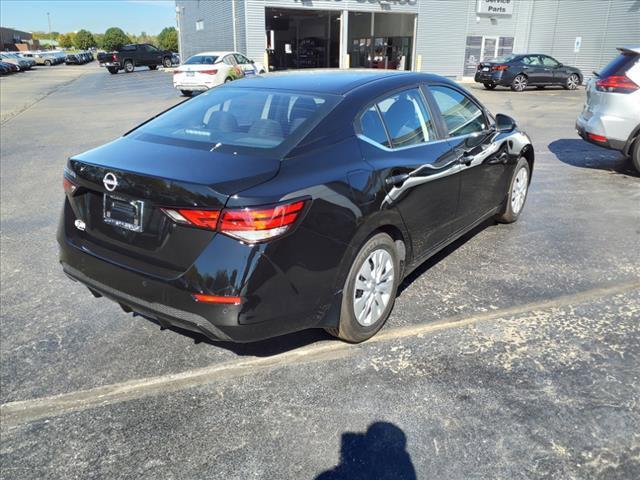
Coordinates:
<point>611,114</point>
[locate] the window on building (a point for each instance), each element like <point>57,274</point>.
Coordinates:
<point>461,115</point>
<point>407,118</point>
<point>199,25</point>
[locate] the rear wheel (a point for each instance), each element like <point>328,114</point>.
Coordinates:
<point>572,82</point>
<point>635,155</point>
<point>112,70</point>
<point>47,63</point>
<point>369,291</point>
<point>519,83</point>
<point>153,67</point>
<point>186,93</point>
<point>228,79</point>
<point>517,195</point>
<point>489,86</point>
<point>128,66</point>
<point>166,62</point>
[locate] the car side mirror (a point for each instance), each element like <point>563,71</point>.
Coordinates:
<point>504,123</point>
<point>252,62</point>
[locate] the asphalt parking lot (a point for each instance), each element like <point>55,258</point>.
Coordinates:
<point>515,353</point>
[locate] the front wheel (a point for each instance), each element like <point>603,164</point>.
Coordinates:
<point>128,66</point>
<point>47,63</point>
<point>166,62</point>
<point>519,83</point>
<point>112,70</point>
<point>572,82</point>
<point>369,291</point>
<point>517,195</point>
<point>489,86</point>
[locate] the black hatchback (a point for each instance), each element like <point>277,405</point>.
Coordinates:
<point>288,201</point>
<point>520,71</point>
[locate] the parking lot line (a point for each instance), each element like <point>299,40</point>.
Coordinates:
<point>25,411</point>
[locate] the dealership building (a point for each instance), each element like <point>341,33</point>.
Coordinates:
<point>447,37</point>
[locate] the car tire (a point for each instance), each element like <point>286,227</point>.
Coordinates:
<point>129,66</point>
<point>166,62</point>
<point>186,93</point>
<point>112,70</point>
<point>153,67</point>
<point>47,63</point>
<point>377,257</point>
<point>517,194</point>
<point>572,82</point>
<point>519,83</point>
<point>635,155</point>
<point>228,79</point>
<point>489,86</point>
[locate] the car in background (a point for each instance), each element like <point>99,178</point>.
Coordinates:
<point>128,57</point>
<point>288,201</point>
<point>30,61</point>
<point>7,68</point>
<point>53,58</point>
<point>209,69</point>
<point>611,114</point>
<point>21,63</point>
<point>37,57</point>
<point>518,71</point>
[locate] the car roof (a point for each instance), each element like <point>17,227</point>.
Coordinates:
<point>334,81</point>
<point>217,54</point>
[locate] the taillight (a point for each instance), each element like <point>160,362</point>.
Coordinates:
<point>597,138</point>
<point>208,72</point>
<point>497,68</point>
<point>114,57</point>
<point>249,225</point>
<point>616,84</point>
<point>199,297</point>
<point>68,186</point>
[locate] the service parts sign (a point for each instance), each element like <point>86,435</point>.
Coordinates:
<point>495,7</point>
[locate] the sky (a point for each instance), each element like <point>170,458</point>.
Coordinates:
<point>133,16</point>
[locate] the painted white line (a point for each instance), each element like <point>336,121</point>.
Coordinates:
<point>16,413</point>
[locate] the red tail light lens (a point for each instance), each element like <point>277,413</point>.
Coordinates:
<point>597,138</point>
<point>114,57</point>
<point>68,186</point>
<point>616,84</point>
<point>250,225</point>
<point>208,72</point>
<point>497,68</point>
<point>198,297</point>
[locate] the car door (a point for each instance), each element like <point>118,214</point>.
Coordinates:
<point>533,69</point>
<point>553,72</point>
<point>399,138</point>
<point>154,56</point>
<point>483,170</point>
<point>245,64</point>
<point>233,70</point>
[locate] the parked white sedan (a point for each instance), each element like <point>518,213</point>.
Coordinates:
<point>210,69</point>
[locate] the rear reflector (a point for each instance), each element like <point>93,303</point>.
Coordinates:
<point>597,138</point>
<point>198,297</point>
<point>616,84</point>
<point>250,225</point>
<point>68,186</point>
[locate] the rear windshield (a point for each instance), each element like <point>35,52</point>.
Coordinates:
<point>201,60</point>
<point>619,65</point>
<point>240,120</point>
<point>504,58</point>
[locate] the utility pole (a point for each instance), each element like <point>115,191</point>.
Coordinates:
<point>49,20</point>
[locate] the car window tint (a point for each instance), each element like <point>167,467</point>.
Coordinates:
<point>229,60</point>
<point>372,127</point>
<point>407,119</point>
<point>461,115</point>
<point>532,60</point>
<point>549,62</point>
<point>240,59</point>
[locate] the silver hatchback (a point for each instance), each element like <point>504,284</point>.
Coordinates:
<point>611,114</point>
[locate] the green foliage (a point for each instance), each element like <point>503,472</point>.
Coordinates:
<point>66,40</point>
<point>168,39</point>
<point>84,40</point>
<point>45,36</point>
<point>114,38</point>
<point>99,38</point>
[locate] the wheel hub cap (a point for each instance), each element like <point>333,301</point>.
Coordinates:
<point>374,284</point>
<point>519,190</point>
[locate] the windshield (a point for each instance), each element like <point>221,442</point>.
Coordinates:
<point>233,119</point>
<point>201,60</point>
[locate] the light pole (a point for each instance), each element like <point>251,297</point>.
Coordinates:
<point>49,20</point>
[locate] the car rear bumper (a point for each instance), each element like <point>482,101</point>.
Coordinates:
<point>496,78</point>
<point>110,64</point>
<point>594,124</point>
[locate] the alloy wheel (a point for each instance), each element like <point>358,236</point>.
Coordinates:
<point>519,83</point>
<point>572,82</point>
<point>373,287</point>
<point>519,190</point>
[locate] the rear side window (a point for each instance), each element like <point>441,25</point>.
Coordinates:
<point>619,65</point>
<point>372,127</point>
<point>532,60</point>
<point>407,119</point>
<point>461,115</point>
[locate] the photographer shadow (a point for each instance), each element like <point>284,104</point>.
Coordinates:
<point>379,453</point>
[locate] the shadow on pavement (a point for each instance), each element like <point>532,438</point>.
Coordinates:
<point>578,153</point>
<point>379,453</point>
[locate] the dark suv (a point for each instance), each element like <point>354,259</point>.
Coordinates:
<point>523,70</point>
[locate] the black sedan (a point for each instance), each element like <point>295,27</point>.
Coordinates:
<point>521,71</point>
<point>288,201</point>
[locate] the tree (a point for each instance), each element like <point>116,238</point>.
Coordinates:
<point>99,38</point>
<point>84,40</point>
<point>114,38</point>
<point>65,40</point>
<point>168,39</point>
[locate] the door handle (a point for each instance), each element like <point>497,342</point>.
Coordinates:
<point>397,180</point>
<point>465,160</point>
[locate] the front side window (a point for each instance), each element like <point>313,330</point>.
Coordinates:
<point>407,118</point>
<point>461,115</point>
<point>238,120</point>
<point>371,127</point>
<point>549,62</point>
<point>241,59</point>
